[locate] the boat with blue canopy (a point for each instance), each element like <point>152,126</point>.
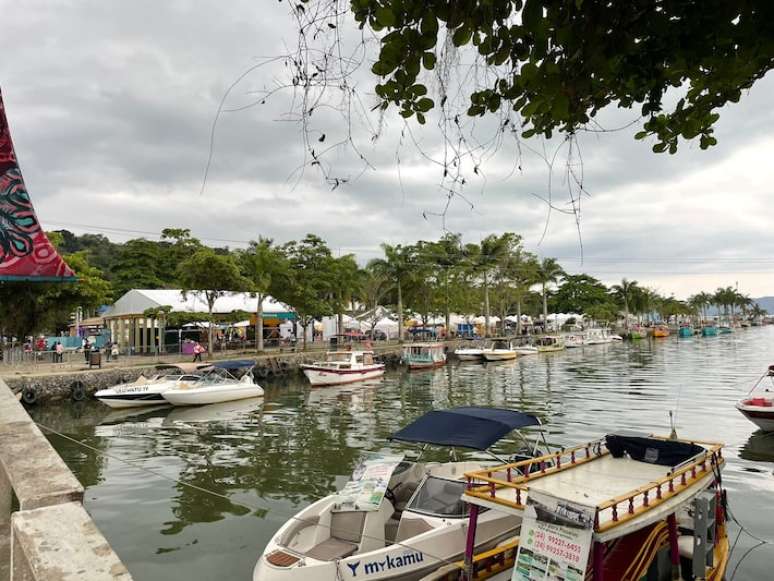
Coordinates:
<point>399,518</point>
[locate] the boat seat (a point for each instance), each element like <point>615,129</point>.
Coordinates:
<point>332,549</point>
<point>346,534</point>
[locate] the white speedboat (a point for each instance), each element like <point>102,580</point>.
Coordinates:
<point>469,353</point>
<point>499,350</point>
<point>525,348</point>
<point>343,367</point>
<point>149,391</point>
<point>574,341</point>
<point>758,406</point>
<point>219,385</point>
<point>597,337</point>
<point>396,519</point>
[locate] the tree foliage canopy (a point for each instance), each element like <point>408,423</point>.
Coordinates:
<point>557,62</point>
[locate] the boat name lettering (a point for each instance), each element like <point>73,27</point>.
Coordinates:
<point>388,563</point>
<point>131,389</point>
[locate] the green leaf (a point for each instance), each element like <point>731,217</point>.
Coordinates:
<point>428,60</point>
<point>406,113</point>
<point>528,133</point>
<point>429,25</point>
<point>641,135</point>
<point>385,16</point>
<point>659,148</point>
<point>462,36</point>
<point>421,118</point>
<point>425,104</point>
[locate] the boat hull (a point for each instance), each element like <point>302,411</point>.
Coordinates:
<point>415,365</point>
<point>213,394</point>
<point>685,332</point>
<point>550,348</point>
<point>500,355</point>
<point>123,401</point>
<point>760,415</point>
<point>323,376</point>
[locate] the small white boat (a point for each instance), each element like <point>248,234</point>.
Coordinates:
<point>396,519</point>
<point>574,341</point>
<point>549,343</point>
<point>469,353</point>
<point>343,367</point>
<point>597,337</point>
<point>149,391</point>
<point>759,407</point>
<point>424,355</point>
<point>500,350</point>
<point>217,386</point>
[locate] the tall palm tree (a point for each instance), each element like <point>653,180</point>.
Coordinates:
<point>625,292</point>
<point>346,283</point>
<point>548,272</point>
<point>396,266</point>
<point>492,250</point>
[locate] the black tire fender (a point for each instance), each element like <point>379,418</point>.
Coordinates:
<point>29,395</point>
<point>77,391</point>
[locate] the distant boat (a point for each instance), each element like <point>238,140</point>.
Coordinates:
<point>725,329</point>
<point>709,331</point>
<point>597,336</point>
<point>424,355</point>
<point>549,343</point>
<point>343,367</point>
<point>661,331</point>
<point>500,350</point>
<point>636,333</point>
<point>474,353</point>
<point>759,407</point>
<point>575,340</point>
<point>685,332</point>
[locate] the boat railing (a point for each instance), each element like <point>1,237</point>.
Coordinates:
<point>485,565</point>
<point>484,484</point>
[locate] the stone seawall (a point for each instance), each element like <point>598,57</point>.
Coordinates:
<point>53,387</point>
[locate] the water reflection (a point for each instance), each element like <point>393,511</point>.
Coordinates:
<point>300,443</point>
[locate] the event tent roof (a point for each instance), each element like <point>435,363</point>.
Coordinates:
<point>136,301</point>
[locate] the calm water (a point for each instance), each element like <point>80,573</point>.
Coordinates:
<point>300,444</point>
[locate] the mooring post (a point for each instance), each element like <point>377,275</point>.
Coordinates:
<point>599,561</point>
<point>470,545</point>
<point>674,550</point>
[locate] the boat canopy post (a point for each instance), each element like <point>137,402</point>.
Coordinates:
<point>599,561</point>
<point>674,550</point>
<point>470,544</point>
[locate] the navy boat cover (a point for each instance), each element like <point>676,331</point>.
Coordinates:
<point>652,450</point>
<point>465,427</point>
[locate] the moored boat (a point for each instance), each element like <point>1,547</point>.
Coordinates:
<point>471,353</point>
<point>686,331</point>
<point>149,391</point>
<point>758,405</point>
<point>499,350</point>
<point>424,355</point>
<point>218,385</point>
<point>725,329</point>
<point>574,340</point>
<point>597,336</point>
<point>343,367</point>
<point>549,343</point>
<point>709,330</point>
<point>660,331</point>
<point>397,519</point>
<point>610,509</point>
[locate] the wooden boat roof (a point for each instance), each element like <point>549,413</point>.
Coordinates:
<point>626,494</point>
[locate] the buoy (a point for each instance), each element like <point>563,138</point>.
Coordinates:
<point>29,396</point>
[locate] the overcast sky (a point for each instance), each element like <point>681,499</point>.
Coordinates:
<point>111,104</point>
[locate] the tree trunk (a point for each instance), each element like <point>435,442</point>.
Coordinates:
<point>210,306</point>
<point>340,317</point>
<point>518,314</point>
<point>259,324</point>
<point>545,309</point>
<point>448,314</point>
<point>626,314</point>
<point>303,327</point>
<point>400,314</point>
<point>486,305</point>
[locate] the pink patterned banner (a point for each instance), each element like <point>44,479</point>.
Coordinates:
<point>25,251</point>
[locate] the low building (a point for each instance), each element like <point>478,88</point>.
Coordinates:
<point>132,329</point>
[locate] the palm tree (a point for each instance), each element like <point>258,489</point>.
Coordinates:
<point>489,256</point>
<point>548,271</point>
<point>396,266</point>
<point>625,292</point>
<point>346,283</point>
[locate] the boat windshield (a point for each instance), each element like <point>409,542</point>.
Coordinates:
<point>439,497</point>
<point>339,357</point>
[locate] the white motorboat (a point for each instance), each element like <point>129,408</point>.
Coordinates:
<point>549,343</point>
<point>574,341</point>
<point>525,348</point>
<point>499,350</point>
<point>396,519</point>
<point>219,385</point>
<point>149,391</point>
<point>759,407</point>
<point>343,367</point>
<point>597,337</point>
<point>469,353</point>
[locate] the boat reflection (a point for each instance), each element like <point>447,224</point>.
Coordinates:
<point>214,412</point>
<point>759,447</point>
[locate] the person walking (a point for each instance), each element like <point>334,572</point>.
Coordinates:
<point>109,349</point>
<point>59,351</point>
<point>198,350</point>
<point>86,349</point>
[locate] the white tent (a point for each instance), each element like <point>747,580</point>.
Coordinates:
<point>388,327</point>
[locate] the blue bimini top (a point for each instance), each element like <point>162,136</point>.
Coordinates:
<point>465,427</point>
<point>234,364</point>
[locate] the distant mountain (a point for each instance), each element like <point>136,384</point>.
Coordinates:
<point>766,303</point>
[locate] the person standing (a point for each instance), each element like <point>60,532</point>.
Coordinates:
<point>197,351</point>
<point>86,349</point>
<point>109,349</point>
<point>59,350</point>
